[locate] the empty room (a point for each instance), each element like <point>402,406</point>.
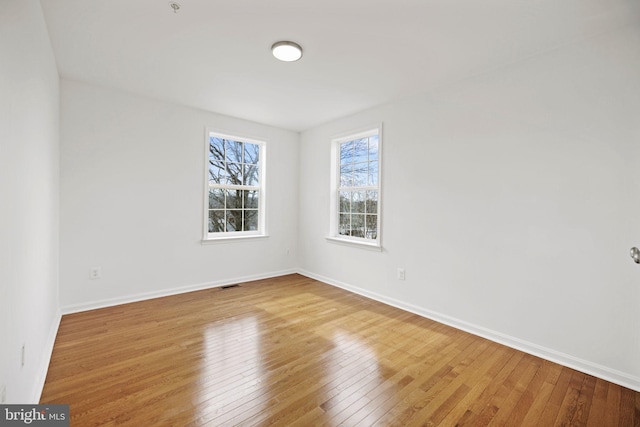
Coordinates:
<point>320,213</point>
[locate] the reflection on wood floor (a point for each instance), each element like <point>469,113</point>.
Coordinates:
<point>294,351</point>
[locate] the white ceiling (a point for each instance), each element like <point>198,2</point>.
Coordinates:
<point>215,54</point>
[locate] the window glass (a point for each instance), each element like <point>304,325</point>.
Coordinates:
<point>235,193</point>
<point>357,187</point>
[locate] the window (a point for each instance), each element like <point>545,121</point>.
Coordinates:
<point>234,194</point>
<point>356,188</point>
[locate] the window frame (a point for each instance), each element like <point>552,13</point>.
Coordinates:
<point>211,237</point>
<point>334,223</point>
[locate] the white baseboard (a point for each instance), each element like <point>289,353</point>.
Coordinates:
<point>621,378</point>
<point>110,302</point>
<point>45,359</point>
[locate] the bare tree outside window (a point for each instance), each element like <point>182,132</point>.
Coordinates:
<point>358,188</point>
<point>234,185</point>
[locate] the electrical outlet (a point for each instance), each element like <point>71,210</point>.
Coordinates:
<point>401,274</point>
<point>22,355</point>
<point>3,394</point>
<point>95,273</point>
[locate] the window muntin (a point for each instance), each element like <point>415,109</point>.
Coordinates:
<point>357,191</point>
<point>235,191</point>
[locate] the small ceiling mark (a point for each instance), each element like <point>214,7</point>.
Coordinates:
<point>175,6</point>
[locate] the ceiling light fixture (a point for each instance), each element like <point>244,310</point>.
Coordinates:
<point>286,51</point>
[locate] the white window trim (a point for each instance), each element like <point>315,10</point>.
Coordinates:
<point>333,236</point>
<point>209,238</point>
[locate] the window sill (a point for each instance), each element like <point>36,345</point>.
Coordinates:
<point>230,239</point>
<point>354,243</point>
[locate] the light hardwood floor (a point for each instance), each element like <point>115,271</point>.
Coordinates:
<point>294,351</point>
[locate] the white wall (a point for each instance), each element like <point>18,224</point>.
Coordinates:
<point>511,199</point>
<point>132,182</point>
<point>29,188</point>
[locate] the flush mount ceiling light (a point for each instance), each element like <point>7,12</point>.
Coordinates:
<point>286,51</point>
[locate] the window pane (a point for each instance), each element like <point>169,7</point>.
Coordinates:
<point>234,199</point>
<point>216,149</point>
<point>251,175</point>
<point>357,225</point>
<point>346,176</point>
<point>251,199</point>
<point>216,221</point>
<point>233,151</point>
<point>346,153</point>
<point>360,174</point>
<point>372,201</point>
<point>234,173</point>
<point>373,173</point>
<point>373,148</point>
<point>345,201</point>
<point>345,225</point>
<point>251,153</point>
<point>250,220</point>
<point>234,220</point>
<point>371,227</point>
<point>360,150</point>
<point>358,201</point>
<point>216,172</point>
<point>216,198</point>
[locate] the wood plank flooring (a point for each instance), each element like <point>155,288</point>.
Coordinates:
<point>294,351</point>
